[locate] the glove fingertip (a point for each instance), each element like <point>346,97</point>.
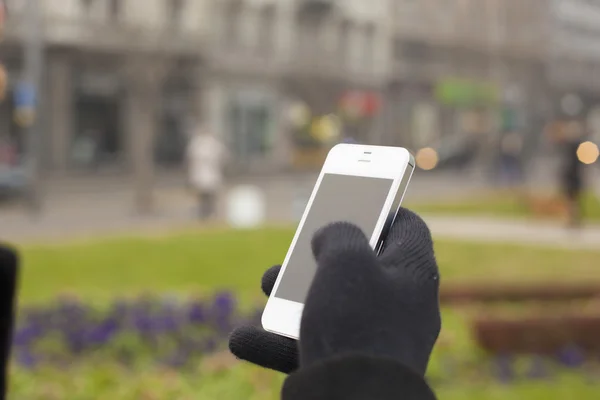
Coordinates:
<point>265,349</point>
<point>408,224</point>
<point>269,278</point>
<point>338,237</point>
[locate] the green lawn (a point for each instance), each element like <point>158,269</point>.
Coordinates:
<point>200,262</point>
<point>498,204</point>
<point>191,263</point>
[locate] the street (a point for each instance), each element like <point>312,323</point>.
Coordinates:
<point>76,208</point>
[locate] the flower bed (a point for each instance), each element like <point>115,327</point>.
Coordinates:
<point>161,330</point>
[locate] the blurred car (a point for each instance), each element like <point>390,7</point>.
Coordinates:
<point>12,174</point>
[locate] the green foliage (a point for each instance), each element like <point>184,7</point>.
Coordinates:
<point>201,263</point>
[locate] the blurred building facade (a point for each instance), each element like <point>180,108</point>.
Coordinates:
<point>440,68</point>
<point>467,67</point>
<point>574,60</point>
<point>87,86</point>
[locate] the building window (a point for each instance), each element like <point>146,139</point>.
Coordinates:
<point>232,19</point>
<point>344,40</point>
<point>369,47</point>
<point>266,35</point>
<point>175,10</point>
<point>86,6</point>
<point>115,9</point>
<point>250,128</point>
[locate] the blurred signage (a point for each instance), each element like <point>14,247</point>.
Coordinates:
<point>360,103</point>
<point>24,95</point>
<point>25,98</point>
<point>462,92</point>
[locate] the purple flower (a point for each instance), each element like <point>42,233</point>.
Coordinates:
<point>504,369</point>
<point>103,332</point>
<point>209,345</point>
<point>224,304</point>
<point>538,368</point>
<point>26,359</point>
<point>166,323</point>
<point>222,311</point>
<point>167,330</point>
<point>571,356</point>
<point>196,313</point>
<point>25,335</point>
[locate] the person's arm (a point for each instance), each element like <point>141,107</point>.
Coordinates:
<point>8,286</point>
<point>356,377</point>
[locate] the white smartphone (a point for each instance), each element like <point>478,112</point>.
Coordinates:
<point>360,184</point>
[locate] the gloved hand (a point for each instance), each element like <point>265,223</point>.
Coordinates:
<point>263,348</point>
<point>358,303</point>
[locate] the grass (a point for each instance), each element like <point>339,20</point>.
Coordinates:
<point>498,204</point>
<point>248,383</point>
<point>204,262</point>
<point>196,262</point>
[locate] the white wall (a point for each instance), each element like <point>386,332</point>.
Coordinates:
<point>151,14</point>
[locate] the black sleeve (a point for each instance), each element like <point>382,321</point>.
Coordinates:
<point>356,377</point>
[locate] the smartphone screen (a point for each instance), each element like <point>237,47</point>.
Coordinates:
<point>354,199</point>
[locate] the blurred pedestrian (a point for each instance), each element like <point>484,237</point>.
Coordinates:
<point>511,171</point>
<point>206,157</point>
<point>571,174</point>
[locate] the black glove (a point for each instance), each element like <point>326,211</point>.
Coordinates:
<point>384,306</point>
<point>8,284</point>
<point>264,348</point>
<point>358,303</point>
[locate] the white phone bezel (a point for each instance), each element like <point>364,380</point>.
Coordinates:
<point>282,316</point>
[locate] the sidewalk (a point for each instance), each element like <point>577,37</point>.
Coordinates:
<point>479,229</point>
<point>482,229</point>
<point>105,208</point>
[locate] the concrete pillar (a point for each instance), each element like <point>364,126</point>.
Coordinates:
<point>249,28</point>
<point>282,144</point>
<point>60,110</point>
<point>144,84</point>
<point>286,30</point>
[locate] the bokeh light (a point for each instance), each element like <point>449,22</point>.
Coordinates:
<point>299,114</point>
<point>588,152</point>
<point>246,207</point>
<point>427,158</point>
<point>326,129</point>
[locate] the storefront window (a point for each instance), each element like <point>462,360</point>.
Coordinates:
<point>250,122</point>
<point>97,137</point>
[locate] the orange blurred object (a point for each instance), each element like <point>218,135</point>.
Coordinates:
<point>588,152</point>
<point>3,82</point>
